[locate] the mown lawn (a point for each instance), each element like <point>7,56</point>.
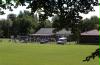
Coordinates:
<point>45,54</point>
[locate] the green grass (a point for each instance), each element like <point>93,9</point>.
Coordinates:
<point>45,54</point>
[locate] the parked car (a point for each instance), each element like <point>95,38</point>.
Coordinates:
<point>43,41</point>
<point>62,40</point>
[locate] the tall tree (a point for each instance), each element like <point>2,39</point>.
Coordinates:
<point>5,26</point>
<point>24,24</point>
<point>89,24</point>
<point>67,10</point>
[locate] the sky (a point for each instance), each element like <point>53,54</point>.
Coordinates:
<point>15,11</point>
<point>95,13</point>
<point>22,8</point>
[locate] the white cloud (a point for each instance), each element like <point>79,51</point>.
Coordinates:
<point>15,11</point>
<point>94,13</point>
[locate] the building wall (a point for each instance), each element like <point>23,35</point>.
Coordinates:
<point>89,39</point>
<point>38,38</point>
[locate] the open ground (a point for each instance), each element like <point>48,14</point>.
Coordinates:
<point>45,54</point>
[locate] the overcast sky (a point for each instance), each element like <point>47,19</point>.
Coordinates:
<point>95,13</point>
<point>15,11</point>
<point>21,8</point>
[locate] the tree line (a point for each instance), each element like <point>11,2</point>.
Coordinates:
<point>23,24</point>
<point>89,24</point>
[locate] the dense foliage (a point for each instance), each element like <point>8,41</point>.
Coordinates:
<point>67,11</point>
<point>89,24</point>
<point>22,24</point>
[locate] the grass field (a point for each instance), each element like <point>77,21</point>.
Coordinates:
<point>45,54</point>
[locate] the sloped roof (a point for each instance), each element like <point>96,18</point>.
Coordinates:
<point>91,32</point>
<point>49,31</point>
<point>63,31</point>
<point>45,31</point>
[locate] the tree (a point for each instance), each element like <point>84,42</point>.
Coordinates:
<point>67,10</point>
<point>62,8</point>
<point>95,20</point>
<point>85,24</point>
<point>89,24</point>
<point>5,26</point>
<point>25,13</point>
<point>48,24</point>
<point>24,24</point>
<point>11,16</point>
